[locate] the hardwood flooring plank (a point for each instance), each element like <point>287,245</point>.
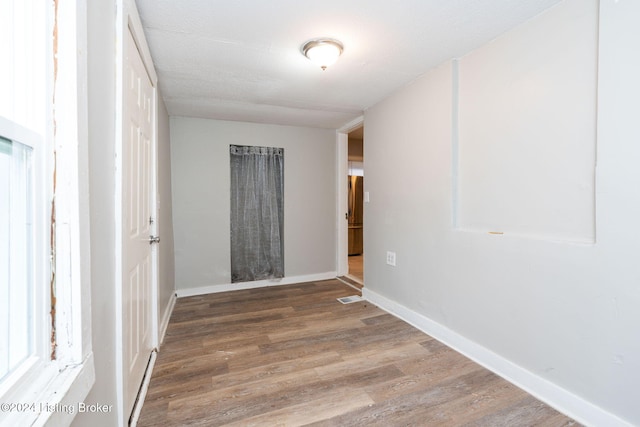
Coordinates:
<point>179,350</point>
<point>176,328</point>
<point>341,337</point>
<point>310,325</point>
<point>412,383</point>
<point>287,354</point>
<point>341,402</point>
<point>411,409</point>
<point>528,411</point>
<point>241,401</point>
<point>163,392</point>
<point>274,371</point>
<point>188,368</point>
<point>373,358</point>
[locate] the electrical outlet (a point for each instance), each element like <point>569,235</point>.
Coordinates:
<point>391,258</point>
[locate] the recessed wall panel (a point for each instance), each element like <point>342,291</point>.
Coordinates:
<point>527,130</point>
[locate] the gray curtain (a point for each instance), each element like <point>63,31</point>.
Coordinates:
<point>257,213</point>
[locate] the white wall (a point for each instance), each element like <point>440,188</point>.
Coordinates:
<point>101,92</point>
<point>201,197</point>
<point>102,115</point>
<point>564,313</point>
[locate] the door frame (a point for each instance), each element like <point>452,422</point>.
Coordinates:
<point>342,190</point>
<point>127,19</point>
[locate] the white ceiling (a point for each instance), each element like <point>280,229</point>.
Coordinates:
<point>241,60</point>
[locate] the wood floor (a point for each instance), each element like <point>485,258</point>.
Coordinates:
<point>356,266</point>
<point>293,355</point>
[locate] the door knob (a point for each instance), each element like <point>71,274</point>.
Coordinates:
<point>154,239</point>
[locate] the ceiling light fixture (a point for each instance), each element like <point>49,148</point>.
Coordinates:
<point>323,52</point>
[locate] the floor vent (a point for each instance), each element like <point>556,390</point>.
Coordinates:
<point>349,300</point>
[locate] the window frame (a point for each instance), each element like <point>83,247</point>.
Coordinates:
<point>54,388</point>
<point>34,368</point>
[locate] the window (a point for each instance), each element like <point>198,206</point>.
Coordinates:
<point>23,246</point>
<point>45,358</point>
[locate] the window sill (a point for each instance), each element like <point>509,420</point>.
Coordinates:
<point>57,402</point>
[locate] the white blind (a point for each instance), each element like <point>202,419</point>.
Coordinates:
<point>16,255</point>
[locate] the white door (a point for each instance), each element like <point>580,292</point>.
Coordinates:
<point>137,227</point>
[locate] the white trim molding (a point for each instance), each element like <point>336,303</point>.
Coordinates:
<point>555,396</point>
<point>290,280</point>
<point>342,160</point>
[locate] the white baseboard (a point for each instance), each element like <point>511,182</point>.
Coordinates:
<point>564,401</point>
<point>166,317</point>
<point>212,289</point>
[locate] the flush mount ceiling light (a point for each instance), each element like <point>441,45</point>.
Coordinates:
<point>323,52</point>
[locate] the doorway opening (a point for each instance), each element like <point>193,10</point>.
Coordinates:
<point>355,213</point>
